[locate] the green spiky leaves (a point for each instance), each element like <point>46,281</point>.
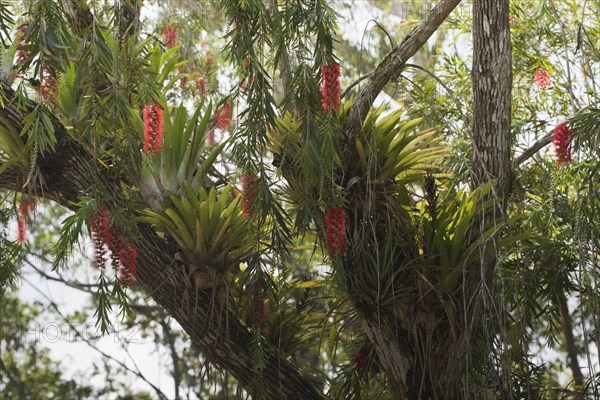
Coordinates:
<point>207,227</point>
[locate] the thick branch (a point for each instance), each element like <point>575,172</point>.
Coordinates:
<point>391,66</point>
<point>69,173</point>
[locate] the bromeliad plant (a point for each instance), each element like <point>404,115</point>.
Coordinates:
<point>388,157</point>
<point>414,242</point>
<point>204,220</point>
<point>209,228</point>
<point>181,158</point>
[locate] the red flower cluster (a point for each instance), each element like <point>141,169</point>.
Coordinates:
<point>224,116</point>
<point>153,129</point>
<point>20,40</point>
<point>542,78</point>
<point>21,230</point>
<point>101,234</point>
<point>170,36</point>
<point>330,89</point>
<point>249,189</point>
<point>183,83</point>
<point>562,140</point>
<point>49,86</point>
<point>106,237</point>
<point>335,223</point>
<point>201,87</point>
<point>127,261</point>
<point>26,206</point>
<point>210,136</point>
<point>258,304</point>
<point>221,119</point>
<point>363,361</point>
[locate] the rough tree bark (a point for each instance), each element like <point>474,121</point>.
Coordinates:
<point>69,173</point>
<point>392,344</point>
<point>492,84</point>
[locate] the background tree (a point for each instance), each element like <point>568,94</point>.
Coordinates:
<point>307,242</point>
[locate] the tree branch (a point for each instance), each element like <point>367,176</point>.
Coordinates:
<point>572,352</point>
<point>391,66</point>
<point>530,152</point>
<point>69,173</point>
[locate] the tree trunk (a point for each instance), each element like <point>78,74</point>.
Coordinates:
<point>492,83</point>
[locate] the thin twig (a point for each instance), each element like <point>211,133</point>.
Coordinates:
<point>84,287</point>
<point>356,82</point>
<point>574,102</point>
<point>138,373</point>
<point>450,91</point>
<point>174,355</point>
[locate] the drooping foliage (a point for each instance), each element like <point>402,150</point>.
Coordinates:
<point>216,131</point>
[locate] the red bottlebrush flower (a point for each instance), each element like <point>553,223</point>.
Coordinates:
<point>249,189</point>
<point>258,304</point>
<point>48,87</point>
<point>563,135</point>
<point>153,129</point>
<point>27,205</point>
<point>224,116</point>
<point>104,227</point>
<point>542,78</point>
<point>363,361</point>
<point>330,88</point>
<point>210,136</point>
<point>102,234</point>
<point>20,41</point>
<point>127,259</point>
<point>21,229</point>
<point>96,234</point>
<point>335,225</point>
<point>170,36</point>
<point>183,83</point>
<point>115,246</point>
<point>201,83</point>
<point>341,230</point>
<point>221,119</point>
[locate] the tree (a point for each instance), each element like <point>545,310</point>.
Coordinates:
<point>428,291</point>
